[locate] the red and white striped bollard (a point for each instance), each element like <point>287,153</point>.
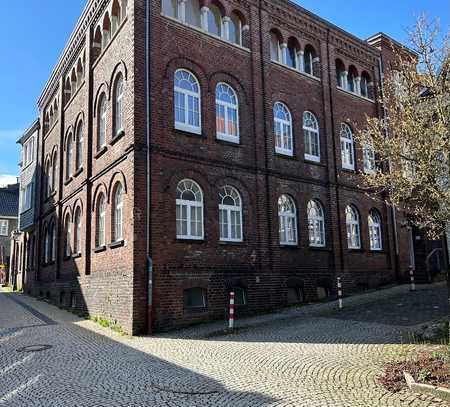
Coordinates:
<point>339,286</point>
<point>231,319</point>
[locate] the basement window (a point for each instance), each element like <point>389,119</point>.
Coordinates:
<point>194,298</point>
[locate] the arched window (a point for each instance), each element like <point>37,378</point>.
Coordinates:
<point>106,30</point>
<point>79,147</point>
<point>189,210</point>
<point>118,213</point>
<point>118,106</point>
<point>287,215</point>
<point>53,241</point>
<point>77,227</point>
<point>316,224</point>
<point>48,178</point>
<point>124,6</point>
<point>101,125</point>
<point>235,29</point>
<point>54,170</point>
<point>292,50</point>
<point>347,147</point>
<point>308,57</point>
<point>365,80</point>
<point>46,245</point>
<point>68,236</point>
<point>187,102</point>
<point>170,8</point>
<point>214,20</point>
<point>192,12</point>
<point>374,221</point>
<point>69,156</point>
<point>352,79</point>
<point>311,136</point>
<point>230,214</point>
<point>227,113</point>
<point>369,157</point>
<point>275,47</point>
<point>353,227</point>
<point>282,129</point>
<point>341,74</point>
<point>116,16</point>
<point>101,217</point>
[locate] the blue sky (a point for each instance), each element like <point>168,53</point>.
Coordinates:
<point>35,32</point>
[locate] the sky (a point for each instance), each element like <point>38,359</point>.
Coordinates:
<point>35,32</point>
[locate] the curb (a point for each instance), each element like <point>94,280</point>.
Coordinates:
<point>436,391</point>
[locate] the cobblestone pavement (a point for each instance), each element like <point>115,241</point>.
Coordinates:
<point>312,357</point>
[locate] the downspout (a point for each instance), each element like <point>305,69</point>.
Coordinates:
<point>149,178</point>
<point>336,180</point>
<point>393,213</point>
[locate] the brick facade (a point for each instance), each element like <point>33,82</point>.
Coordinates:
<point>112,281</point>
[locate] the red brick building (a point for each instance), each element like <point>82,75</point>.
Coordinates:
<point>188,148</point>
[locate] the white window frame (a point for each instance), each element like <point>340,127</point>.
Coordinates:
<point>375,231</point>
<point>347,147</point>
<point>316,224</point>
<point>4,227</point>
<point>190,205</point>
<point>118,213</point>
<point>281,142</point>
<point>69,156</point>
<point>369,162</point>
<point>196,96</point>
<point>308,133</point>
<point>287,220</point>
<point>102,120</point>
<point>53,242</point>
<point>101,221</point>
<point>118,105</point>
<point>68,231</point>
<point>353,227</point>
<point>79,147</point>
<point>77,231</point>
<point>227,106</point>
<point>227,210</point>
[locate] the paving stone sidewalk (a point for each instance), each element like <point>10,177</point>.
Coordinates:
<point>311,356</point>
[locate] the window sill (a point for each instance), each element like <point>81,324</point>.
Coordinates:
<point>348,170</point>
<point>190,240</point>
<point>76,255</point>
<point>230,143</point>
<point>68,181</point>
<point>377,251</point>
<point>232,243</point>
<point>100,249</point>
<point>320,248</point>
<point>188,131</point>
<point>117,137</point>
<point>314,162</point>
<point>289,246</point>
<point>360,250</point>
<point>78,172</point>
<point>100,152</point>
<point>285,155</point>
<point>119,243</point>
<point>348,92</point>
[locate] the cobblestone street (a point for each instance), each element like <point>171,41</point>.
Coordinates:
<point>312,356</point>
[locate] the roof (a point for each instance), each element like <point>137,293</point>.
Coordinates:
<point>9,201</point>
<point>29,132</point>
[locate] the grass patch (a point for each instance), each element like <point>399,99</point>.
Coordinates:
<point>105,323</point>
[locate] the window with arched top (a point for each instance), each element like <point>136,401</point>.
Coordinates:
<point>54,170</point>
<point>69,156</point>
<point>79,147</point>
<point>235,29</point>
<point>275,47</point>
<point>287,216</point>
<point>293,49</point>
<point>46,245</point>
<point>192,12</point>
<point>101,122</point>
<point>230,214</point>
<point>189,212</point>
<point>311,137</point>
<point>53,241</point>
<point>283,129</point>
<point>214,20</point>
<point>101,221</point>
<point>364,85</point>
<point>187,102</point>
<point>170,8</point>
<point>352,227</point>
<point>316,224</point>
<point>118,105</point>
<point>369,157</point>
<point>118,213</point>
<point>352,76</point>
<point>308,57</point>
<point>67,236</point>
<point>227,113</point>
<point>341,74</point>
<point>347,147</point>
<point>48,178</point>
<point>77,231</point>
<point>375,237</point>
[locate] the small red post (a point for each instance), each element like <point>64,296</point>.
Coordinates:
<point>339,287</point>
<point>411,278</point>
<point>231,319</point>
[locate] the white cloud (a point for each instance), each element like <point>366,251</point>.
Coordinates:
<point>6,179</point>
